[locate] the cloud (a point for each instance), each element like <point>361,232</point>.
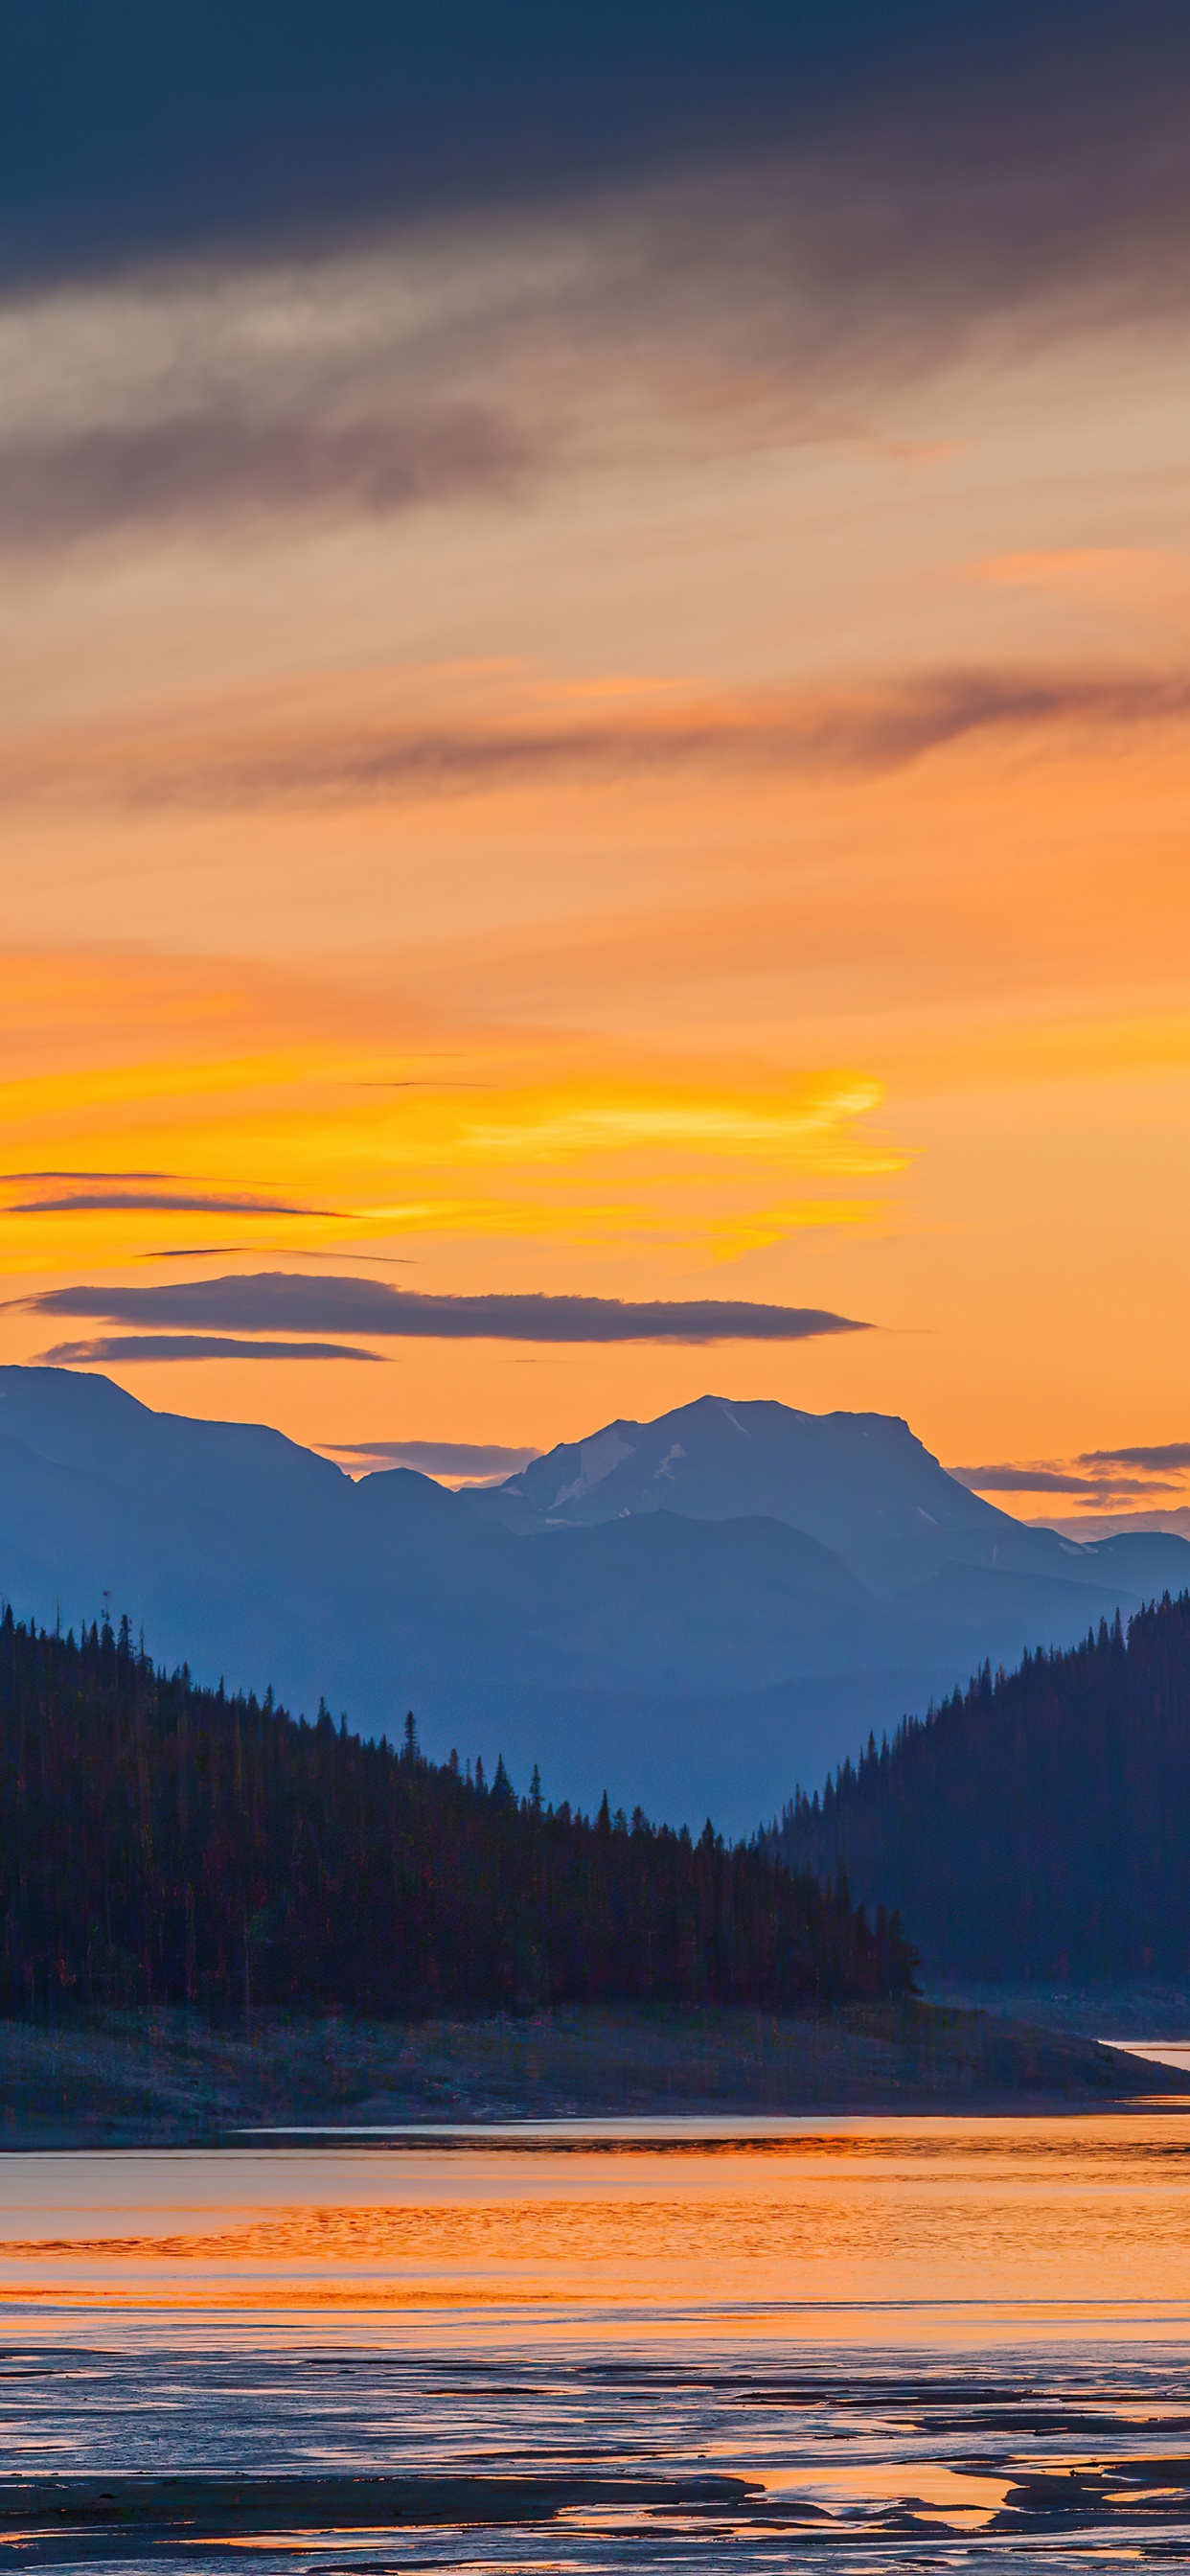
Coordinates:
<point>105,1191</point>
<point>1171,1453</point>
<point>287,1302</point>
<point>461,1458</point>
<point>544,233</point>
<point>55,490</point>
<point>862,731</point>
<point>293,1252</point>
<point>1021,1480</point>
<point>174,1203</point>
<point>12,1178</point>
<point>117,1349</point>
<point>1009,1479</point>
<point>986,148</point>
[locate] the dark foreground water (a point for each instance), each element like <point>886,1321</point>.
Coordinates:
<point>855,2344</point>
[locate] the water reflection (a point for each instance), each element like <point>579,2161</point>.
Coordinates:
<point>919,2342</point>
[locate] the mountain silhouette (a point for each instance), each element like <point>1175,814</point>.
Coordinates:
<point>696,1614</point>
<point>859,1482</point>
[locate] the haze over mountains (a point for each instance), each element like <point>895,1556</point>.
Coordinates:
<point>695,1613</point>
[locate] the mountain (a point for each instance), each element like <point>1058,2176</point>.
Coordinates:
<point>1036,1827</point>
<point>859,1482</point>
<point>1100,1525</point>
<point>805,1578</point>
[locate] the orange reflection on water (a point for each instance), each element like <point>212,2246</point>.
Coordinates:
<point>975,2216</point>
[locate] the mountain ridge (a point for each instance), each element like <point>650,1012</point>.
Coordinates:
<point>806,1476</point>
<point>684,1661</point>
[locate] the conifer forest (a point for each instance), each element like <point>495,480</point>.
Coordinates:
<point>164,1843</point>
<point>1036,1825</point>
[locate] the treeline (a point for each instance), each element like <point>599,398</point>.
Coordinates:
<point>161,1843</point>
<point>1037,1826</point>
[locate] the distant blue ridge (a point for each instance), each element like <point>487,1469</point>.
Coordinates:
<point>696,1614</point>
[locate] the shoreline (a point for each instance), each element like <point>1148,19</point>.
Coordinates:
<point>168,2077</point>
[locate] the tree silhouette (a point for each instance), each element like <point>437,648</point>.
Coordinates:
<point>1036,1825</point>
<point>164,1843</point>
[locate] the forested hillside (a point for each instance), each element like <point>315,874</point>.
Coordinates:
<point>1037,1826</point>
<point>159,1842</point>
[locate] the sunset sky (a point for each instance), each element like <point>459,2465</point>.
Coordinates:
<point>596,705</point>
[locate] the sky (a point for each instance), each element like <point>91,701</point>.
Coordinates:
<point>594,762</point>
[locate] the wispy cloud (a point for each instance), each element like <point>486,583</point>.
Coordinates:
<point>858,731</point>
<point>1169,1453</point>
<point>293,1252</point>
<point>117,1349</point>
<point>96,481</point>
<point>989,148</point>
<point>282,1301</point>
<point>757,223</point>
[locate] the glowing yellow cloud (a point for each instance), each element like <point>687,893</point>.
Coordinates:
<point>312,1147</point>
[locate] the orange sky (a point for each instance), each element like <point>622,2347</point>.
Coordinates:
<point>746,857</point>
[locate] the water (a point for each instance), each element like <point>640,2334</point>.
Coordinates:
<point>834,2344</point>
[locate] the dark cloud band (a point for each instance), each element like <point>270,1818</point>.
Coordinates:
<point>1022,1480</point>
<point>93,1178</point>
<point>148,1203</point>
<point>1053,1480</point>
<point>1170,1453</point>
<point>281,1301</point>
<point>116,1349</point>
<point>859,732</point>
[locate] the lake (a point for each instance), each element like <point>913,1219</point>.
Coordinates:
<point>834,2343</point>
